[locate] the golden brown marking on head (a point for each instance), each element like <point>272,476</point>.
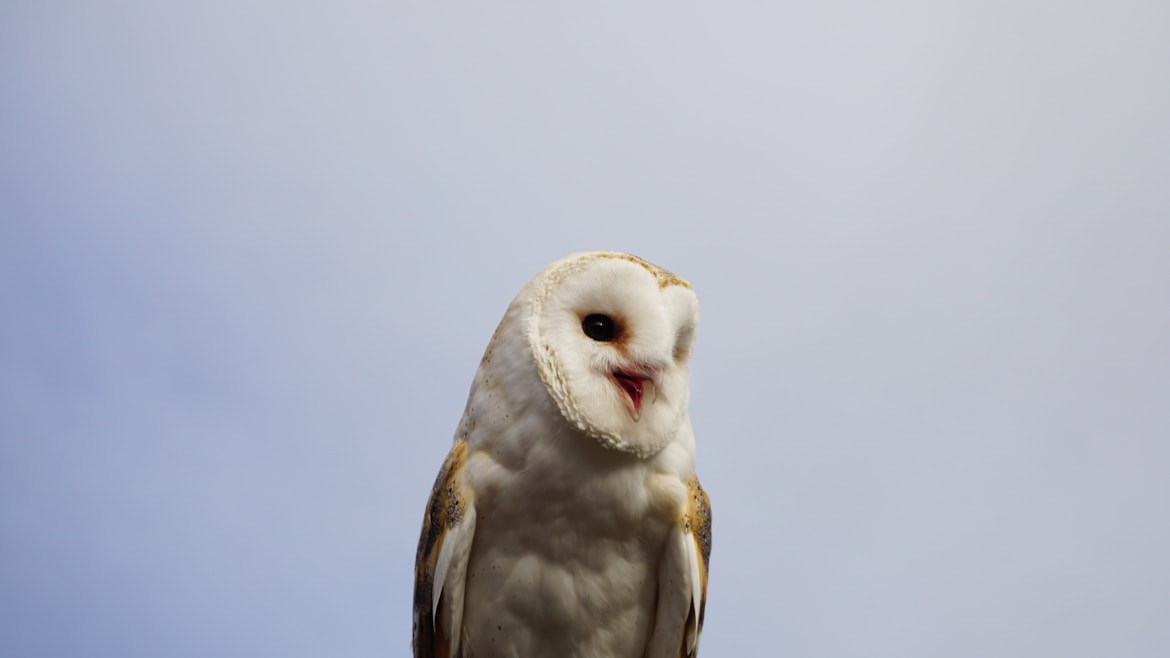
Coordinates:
<point>665,277</point>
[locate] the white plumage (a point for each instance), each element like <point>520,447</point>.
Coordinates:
<point>567,519</point>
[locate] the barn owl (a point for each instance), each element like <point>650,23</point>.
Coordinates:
<point>567,520</point>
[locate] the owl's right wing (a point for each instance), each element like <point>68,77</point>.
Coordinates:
<point>682,580</point>
<point>440,568</point>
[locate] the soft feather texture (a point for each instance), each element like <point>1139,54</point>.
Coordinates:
<point>563,524</point>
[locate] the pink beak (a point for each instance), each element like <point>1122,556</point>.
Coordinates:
<point>633,382</point>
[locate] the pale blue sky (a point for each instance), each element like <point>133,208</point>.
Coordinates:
<point>250,254</point>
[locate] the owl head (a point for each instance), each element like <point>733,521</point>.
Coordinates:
<point>611,338</point>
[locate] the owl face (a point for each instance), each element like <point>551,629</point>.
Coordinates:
<point>611,336</point>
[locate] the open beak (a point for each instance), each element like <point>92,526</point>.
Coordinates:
<point>636,384</point>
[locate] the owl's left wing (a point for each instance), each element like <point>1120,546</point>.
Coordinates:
<point>440,567</point>
<point>682,580</point>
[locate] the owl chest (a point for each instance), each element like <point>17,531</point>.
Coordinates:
<point>564,560</point>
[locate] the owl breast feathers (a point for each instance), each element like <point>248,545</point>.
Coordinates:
<point>567,520</point>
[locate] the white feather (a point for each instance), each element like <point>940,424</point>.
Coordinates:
<point>696,591</point>
<point>450,576</point>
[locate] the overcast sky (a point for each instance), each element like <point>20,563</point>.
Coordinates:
<point>251,252</point>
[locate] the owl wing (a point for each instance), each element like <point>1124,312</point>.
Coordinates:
<point>440,568</point>
<point>682,580</point>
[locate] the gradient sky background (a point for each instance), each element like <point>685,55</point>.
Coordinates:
<point>251,252</point>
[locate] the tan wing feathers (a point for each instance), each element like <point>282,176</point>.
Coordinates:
<point>446,507</point>
<point>698,525</point>
<point>682,579</point>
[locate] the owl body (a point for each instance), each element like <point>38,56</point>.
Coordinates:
<point>567,519</point>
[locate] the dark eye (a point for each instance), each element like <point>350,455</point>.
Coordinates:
<point>599,327</point>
